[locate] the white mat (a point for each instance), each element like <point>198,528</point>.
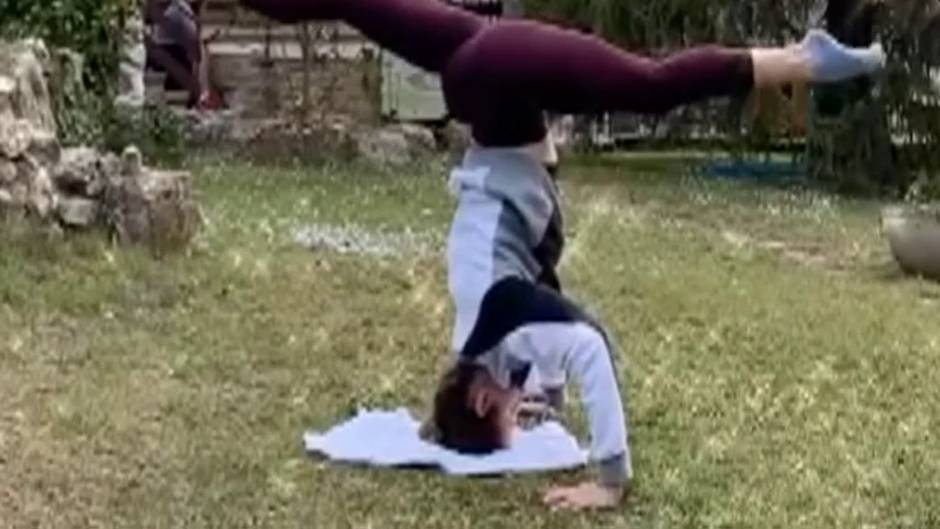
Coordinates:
<point>390,439</point>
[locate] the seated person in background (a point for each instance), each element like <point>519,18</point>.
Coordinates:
<point>175,46</point>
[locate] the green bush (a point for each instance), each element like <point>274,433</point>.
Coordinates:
<point>85,38</point>
<point>81,83</point>
<point>90,27</point>
<point>657,28</point>
<point>154,129</point>
<point>78,111</point>
<point>880,135</point>
<point>883,135</point>
<point>87,118</point>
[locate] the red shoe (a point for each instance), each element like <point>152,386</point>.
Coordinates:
<point>209,100</point>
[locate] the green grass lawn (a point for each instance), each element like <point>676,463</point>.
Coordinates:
<point>780,371</point>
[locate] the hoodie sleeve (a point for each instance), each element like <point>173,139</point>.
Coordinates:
<point>583,353</point>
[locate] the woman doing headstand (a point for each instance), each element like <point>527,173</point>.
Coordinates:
<point>513,325</point>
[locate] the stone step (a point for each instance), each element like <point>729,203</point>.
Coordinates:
<point>288,51</point>
<point>228,12</point>
<point>154,78</point>
<point>240,33</point>
<point>153,86</point>
<point>175,97</point>
<point>155,93</point>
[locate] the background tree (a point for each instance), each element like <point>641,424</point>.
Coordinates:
<point>873,135</point>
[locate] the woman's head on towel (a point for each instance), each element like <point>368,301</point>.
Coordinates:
<point>472,413</point>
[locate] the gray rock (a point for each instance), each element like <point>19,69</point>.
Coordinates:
<point>420,138</point>
<point>18,193</point>
<point>384,147</point>
<point>77,211</point>
<point>15,137</point>
<point>18,137</point>
<point>79,172</point>
<point>457,137</point>
<point>913,234</point>
<point>7,172</point>
<point>206,128</point>
<point>44,148</point>
<point>41,198</point>
<point>28,143</point>
<point>132,162</point>
<point>111,167</point>
<point>24,94</point>
<point>395,145</point>
<point>7,89</point>
<point>37,47</point>
<point>153,208</point>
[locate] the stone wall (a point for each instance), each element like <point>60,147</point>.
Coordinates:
<point>259,88</point>
<point>28,146</point>
<point>258,65</point>
<point>79,188</point>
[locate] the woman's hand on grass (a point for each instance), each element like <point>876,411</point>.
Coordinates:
<point>588,495</point>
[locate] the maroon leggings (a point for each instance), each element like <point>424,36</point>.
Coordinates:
<point>501,77</point>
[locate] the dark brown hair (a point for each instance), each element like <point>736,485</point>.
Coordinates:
<point>458,426</point>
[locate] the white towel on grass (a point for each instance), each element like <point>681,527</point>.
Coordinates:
<point>390,439</point>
